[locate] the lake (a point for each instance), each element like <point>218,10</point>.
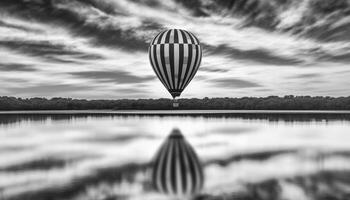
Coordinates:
<point>83,155</point>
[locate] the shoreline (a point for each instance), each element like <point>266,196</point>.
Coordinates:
<point>173,112</point>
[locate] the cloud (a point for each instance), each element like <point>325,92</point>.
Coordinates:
<point>131,90</point>
<point>13,67</point>
<point>49,90</point>
<point>195,6</point>
<point>98,48</point>
<point>120,77</point>
<point>115,29</point>
<point>306,76</point>
<point>263,90</point>
<point>213,69</point>
<point>46,49</point>
<point>19,27</point>
<point>235,83</point>
<point>36,47</point>
<point>255,55</point>
<point>322,55</point>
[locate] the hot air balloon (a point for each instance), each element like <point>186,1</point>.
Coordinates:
<point>176,169</point>
<point>175,56</point>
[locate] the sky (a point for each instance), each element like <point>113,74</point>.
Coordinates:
<point>98,49</point>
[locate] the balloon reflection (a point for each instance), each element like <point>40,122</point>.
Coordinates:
<point>176,169</point>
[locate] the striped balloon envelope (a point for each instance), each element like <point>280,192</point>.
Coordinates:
<point>176,169</point>
<point>175,56</point>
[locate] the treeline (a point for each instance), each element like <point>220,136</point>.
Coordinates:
<point>245,103</point>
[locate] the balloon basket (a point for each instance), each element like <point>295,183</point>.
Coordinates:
<point>176,104</point>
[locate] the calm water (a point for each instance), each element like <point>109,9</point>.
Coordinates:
<point>106,156</point>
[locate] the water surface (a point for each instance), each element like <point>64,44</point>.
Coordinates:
<point>105,155</point>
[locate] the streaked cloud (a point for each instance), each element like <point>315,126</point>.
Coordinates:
<point>13,67</point>
<point>235,83</point>
<point>49,89</point>
<point>257,55</point>
<point>92,49</point>
<point>120,77</point>
<point>306,76</point>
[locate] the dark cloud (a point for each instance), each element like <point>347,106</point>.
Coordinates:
<point>13,67</point>
<point>263,14</point>
<point>195,6</point>
<point>256,55</point>
<point>78,24</point>
<point>344,58</point>
<point>48,50</point>
<point>201,77</point>
<point>235,83</point>
<point>103,6</point>
<point>120,77</point>
<point>263,90</point>
<point>131,90</point>
<point>15,80</point>
<point>36,47</point>
<point>306,76</point>
<point>267,15</point>
<point>113,36</point>
<point>14,26</point>
<point>213,69</point>
<point>49,89</point>
<point>322,55</point>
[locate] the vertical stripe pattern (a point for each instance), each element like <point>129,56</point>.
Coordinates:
<point>175,56</point>
<point>176,169</point>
